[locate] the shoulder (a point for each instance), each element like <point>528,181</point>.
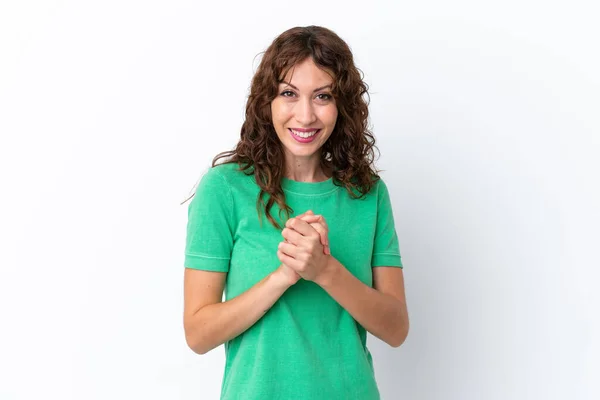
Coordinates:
<point>379,187</point>
<point>214,181</point>
<point>222,175</point>
<point>225,181</point>
<point>229,172</point>
<point>379,191</point>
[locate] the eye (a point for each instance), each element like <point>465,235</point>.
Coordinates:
<point>327,96</point>
<point>286,91</point>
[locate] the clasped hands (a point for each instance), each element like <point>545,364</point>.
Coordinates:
<point>305,250</point>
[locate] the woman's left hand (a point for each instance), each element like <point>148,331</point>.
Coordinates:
<point>302,250</point>
<point>320,225</point>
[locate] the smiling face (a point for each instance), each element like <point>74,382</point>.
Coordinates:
<point>304,112</point>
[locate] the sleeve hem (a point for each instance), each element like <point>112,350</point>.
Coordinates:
<point>206,263</point>
<point>386,260</point>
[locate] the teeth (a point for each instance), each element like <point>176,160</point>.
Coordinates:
<point>304,134</point>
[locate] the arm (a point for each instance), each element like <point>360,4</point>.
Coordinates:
<point>381,310</point>
<point>208,322</point>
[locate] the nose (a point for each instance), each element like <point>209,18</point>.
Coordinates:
<point>305,114</point>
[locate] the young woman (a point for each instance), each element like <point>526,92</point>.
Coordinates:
<point>297,228</point>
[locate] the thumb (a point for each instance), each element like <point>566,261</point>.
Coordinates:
<point>311,218</point>
<point>309,212</point>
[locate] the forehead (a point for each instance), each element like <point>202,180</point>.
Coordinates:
<point>308,74</point>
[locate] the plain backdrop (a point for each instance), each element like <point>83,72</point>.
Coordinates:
<point>486,115</point>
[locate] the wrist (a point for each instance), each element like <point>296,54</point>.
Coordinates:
<point>279,279</point>
<point>328,275</point>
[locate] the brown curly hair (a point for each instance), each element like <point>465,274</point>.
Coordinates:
<point>349,151</point>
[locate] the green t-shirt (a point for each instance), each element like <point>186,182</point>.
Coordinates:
<point>306,346</point>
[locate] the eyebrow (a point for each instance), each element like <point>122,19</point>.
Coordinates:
<point>316,90</point>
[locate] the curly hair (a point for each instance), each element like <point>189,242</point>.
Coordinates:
<point>349,151</point>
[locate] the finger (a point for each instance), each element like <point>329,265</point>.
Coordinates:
<point>322,233</point>
<point>321,220</point>
<point>316,218</point>
<point>287,260</point>
<point>312,218</point>
<point>291,236</point>
<point>317,223</point>
<point>301,227</point>
<point>288,249</point>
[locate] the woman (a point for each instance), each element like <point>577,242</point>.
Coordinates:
<point>303,286</point>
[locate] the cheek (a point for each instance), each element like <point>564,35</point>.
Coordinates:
<point>329,116</point>
<point>279,113</point>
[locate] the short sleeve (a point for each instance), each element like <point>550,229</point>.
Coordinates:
<point>209,236</point>
<point>386,250</point>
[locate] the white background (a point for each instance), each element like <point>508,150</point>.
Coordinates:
<point>486,115</point>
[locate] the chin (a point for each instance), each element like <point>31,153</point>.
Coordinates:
<point>302,152</point>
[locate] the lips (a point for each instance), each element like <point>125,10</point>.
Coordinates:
<point>302,139</point>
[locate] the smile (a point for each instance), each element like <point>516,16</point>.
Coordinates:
<point>304,137</point>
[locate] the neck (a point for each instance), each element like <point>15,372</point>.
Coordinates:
<point>305,170</point>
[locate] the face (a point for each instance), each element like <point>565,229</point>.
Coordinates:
<point>304,111</point>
